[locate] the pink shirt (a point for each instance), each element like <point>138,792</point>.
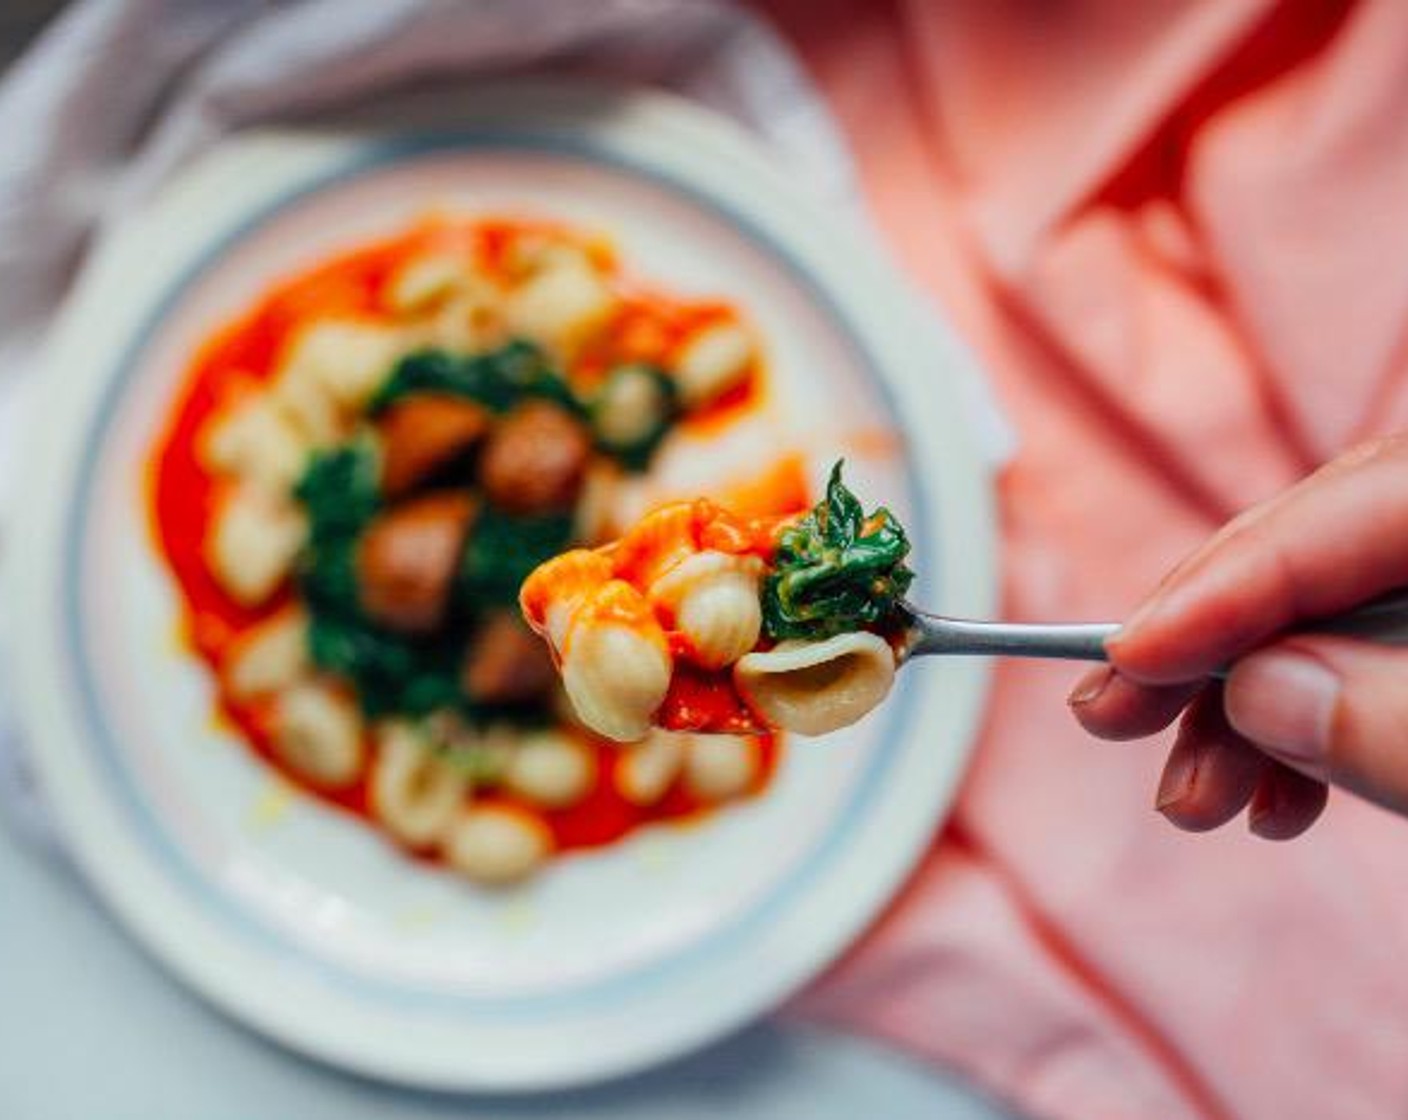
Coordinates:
<point>1177,233</point>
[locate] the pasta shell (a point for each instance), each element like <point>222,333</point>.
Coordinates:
<point>714,601</point>
<point>426,281</point>
<point>658,541</point>
<point>597,504</point>
<point>257,442</point>
<point>552,591</point>
<point>317,731</point>
<point>309,408</point>
<point>551,770</point>
<point>496,845</point>
<point>348,360</point>
<point>272,656</point>
<point>533,253</point>
<point>645,772</point>
<point>471,320</point>
<point>616,675</point>
<point>413,793</point>
<point>253,543</point>
<point>721,767</point>
<point>712,362</point>
<point>816,687</point>
<point>560,305</point>
<point>635,404</point>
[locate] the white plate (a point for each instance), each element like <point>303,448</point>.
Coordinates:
<point>301,921</point>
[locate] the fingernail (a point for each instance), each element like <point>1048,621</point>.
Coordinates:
<point>1090,687</point>
<point>1177,781</point>
<point>1285,702</point>
<point>1262,810</point>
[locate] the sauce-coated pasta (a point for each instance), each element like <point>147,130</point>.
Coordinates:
<point>781,623</point>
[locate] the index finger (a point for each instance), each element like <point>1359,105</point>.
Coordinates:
<point>1334,540</point>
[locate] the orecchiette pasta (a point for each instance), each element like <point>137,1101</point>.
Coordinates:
<point>596,505</point>
<point>427,281</point>
<point>413,793</point>
<point>815,687</point>
<point>254,541</point>
<point>308,408</point>
<point>270,657</point>
<point>534,254</point>
<point>646,770</point>
<point>317,732</point>
<point>349,360</point>
<point>550,769</point>
<point>257,442</point>
<point>760,623</point>
<point>560,305</point>
<point>719,767</point>
<point>713,362</point>
<point>472,319</point>
<point>616,674</point>
<point>496,845</point>
<point>633,403</point>
<point>712,598</point>
<point>565,583</point>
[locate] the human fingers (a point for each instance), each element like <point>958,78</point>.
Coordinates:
<point>1333,709</point>
<point>1211,772</point>
<point>1336,539</point>
<point>1285,803</point>
<point>1112,706</point>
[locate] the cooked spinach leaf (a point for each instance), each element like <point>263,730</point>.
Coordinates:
<point>501,553</point>
<point>393,675</point>
<point>836,570</point>
<point>341,489</point>
<point>497,379</point>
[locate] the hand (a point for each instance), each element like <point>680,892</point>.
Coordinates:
<point>1294,713</point>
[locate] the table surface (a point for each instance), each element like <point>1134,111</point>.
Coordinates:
<point>88,1021</point>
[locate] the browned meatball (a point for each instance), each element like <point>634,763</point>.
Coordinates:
<point>423,432</point>
<point>506,663</point>
<point>407,557</point>
<point>535,460</point>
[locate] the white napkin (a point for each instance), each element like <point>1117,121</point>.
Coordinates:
<point>119,93</point>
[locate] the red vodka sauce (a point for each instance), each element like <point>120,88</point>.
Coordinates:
<point>245,352</point>
<point>703,699</point>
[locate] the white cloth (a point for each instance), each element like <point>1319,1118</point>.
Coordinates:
<point>119,93</point>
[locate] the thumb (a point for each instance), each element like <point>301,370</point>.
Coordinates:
<point>1332,708</point>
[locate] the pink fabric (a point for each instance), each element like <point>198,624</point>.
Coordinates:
<point>1177,231</point>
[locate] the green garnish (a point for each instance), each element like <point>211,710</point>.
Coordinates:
<point>498,379</point>
<point>341,489</point>
<point>836,570</point>
<point>503,551</point>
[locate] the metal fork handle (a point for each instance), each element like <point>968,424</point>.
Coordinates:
<point>1383,620</point>
<point>1081,641</point>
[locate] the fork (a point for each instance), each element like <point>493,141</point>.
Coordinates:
<point>1383,620</point>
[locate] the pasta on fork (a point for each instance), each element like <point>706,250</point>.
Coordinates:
<point>700,620</point>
